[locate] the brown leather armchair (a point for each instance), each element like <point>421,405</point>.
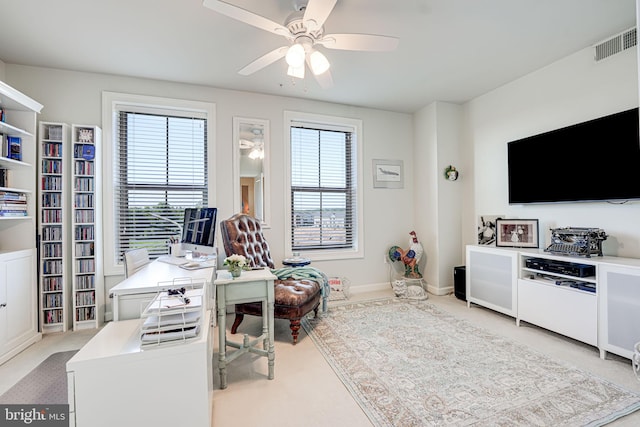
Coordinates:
<point>294,298</point>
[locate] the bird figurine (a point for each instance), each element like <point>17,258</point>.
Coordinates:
<point>409,257</point>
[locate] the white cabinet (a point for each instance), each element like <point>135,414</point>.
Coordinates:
<point>594,300</point>
<point>18,288</point>
<point>491,275</point>
<point>619,287</point>
<point>18,324</point>
<point>560,300</point>
<point>54,220</point>
<point>86,230</point>
<point>112,381</point>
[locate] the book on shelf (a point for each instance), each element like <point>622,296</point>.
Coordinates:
<point>12,206</point>
<point>12,196</point>
<point>4,213</point>
<point>15,147</point>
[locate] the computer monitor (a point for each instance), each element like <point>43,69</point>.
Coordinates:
<point>199,231</point>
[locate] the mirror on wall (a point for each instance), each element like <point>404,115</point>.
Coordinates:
<point>251,172</point>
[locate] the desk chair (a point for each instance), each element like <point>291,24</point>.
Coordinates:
<point>294,298</point>
<point>134,260</point>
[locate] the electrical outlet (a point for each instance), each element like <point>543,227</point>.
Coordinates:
<point>386,259</point>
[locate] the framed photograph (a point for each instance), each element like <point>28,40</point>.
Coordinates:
<point>487,229</point>
<point>517,233</point>
<point>388,173</point>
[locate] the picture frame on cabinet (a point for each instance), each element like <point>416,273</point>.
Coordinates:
<point>487,229</point>
<point>388,173</point>
<point>517,233</point>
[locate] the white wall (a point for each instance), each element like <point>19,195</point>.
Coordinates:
<point>573,90</point>
<point>74,97</point>
<point>438,201</point>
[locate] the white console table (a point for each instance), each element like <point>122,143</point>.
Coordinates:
<point>251,286</point>
<point>609,319</point>
<point>112,382</point>
<point>132,294</point>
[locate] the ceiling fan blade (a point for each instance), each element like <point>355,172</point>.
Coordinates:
<point>324,80</point>
<point>369,42</point>
<point>316,12</point>
<point>247,17</point>
<point>264,60</point>
<point>245,144</point>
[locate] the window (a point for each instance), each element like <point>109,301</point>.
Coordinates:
<point>160,166</point>
<point>324,216</point>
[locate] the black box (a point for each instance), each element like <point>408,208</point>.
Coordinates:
<point>460,282</point>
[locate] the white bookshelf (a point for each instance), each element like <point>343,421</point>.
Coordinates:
<point>86,230</point>
<point>54,209</point>
<point>18,286</point>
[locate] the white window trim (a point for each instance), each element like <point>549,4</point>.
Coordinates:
<point>290,117</point>
<point>110,100</point>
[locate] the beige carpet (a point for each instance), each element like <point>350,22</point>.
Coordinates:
<point>45,384</point>
<point>408,363</point>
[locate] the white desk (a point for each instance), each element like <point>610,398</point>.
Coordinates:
<point>112,382</point>
<point>251,286</point>
<point>132,294</point>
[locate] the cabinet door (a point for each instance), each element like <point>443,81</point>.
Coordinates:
<point>3,306</point>
<point>492,278</point>
<point>619,292</point>
<point>20,297</point>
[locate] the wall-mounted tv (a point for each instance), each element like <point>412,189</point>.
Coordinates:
<point>598,160</point>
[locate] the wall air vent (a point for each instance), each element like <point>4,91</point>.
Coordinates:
<point>616,44</point>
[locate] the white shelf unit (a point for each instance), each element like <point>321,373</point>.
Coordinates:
<point>491,276</point>
<point>560,308</point>
<point>86,229</point>
<point>18,288</point>
<point>604,311</point>
<point>55,284</point>
<point>619,316</point>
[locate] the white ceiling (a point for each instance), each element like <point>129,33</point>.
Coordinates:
<point>450,50</point>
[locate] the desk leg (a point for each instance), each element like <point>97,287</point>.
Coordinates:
<point>116,308</point>
<point>271,354</point>
<point>222,337</point>
<point>265,327</point>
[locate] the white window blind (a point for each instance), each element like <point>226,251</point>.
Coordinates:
<point>322,188</point>
<point>161,164</point>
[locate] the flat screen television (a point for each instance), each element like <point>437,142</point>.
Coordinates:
<point>199,231</point>
<point>598,160</point>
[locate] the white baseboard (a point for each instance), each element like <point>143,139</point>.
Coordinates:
<point>374,287</point>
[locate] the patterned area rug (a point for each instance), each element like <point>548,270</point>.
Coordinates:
<point>407,363</point>
<point>45,384</point>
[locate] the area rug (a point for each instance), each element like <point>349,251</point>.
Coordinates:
<point>45,384</point>
<point>408,363</point>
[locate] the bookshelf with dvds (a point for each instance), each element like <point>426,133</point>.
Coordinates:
<point>86,229</point>
<point>53,162</point>
<point>18,288</point>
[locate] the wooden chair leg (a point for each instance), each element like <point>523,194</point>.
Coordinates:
<point>239,318</point>
<point>295,328</point>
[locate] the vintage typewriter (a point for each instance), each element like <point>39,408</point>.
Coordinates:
<point>577,241</point>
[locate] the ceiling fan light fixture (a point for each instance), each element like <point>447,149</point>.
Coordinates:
<point>319,62</point>
<point>256,153</point>
<point>297,72</point>
<point>295,55</point>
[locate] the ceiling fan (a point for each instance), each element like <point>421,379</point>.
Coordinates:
<point>254,143</point>
<point>304,29</point>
